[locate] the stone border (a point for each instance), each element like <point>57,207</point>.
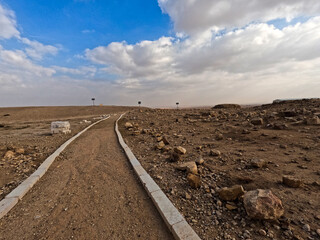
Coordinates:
<point>176,223</point>
<point>17,194</point>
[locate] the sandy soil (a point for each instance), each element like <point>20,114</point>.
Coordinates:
<point>90,192</point>
<point>287,140</point>
<point>26,132</point>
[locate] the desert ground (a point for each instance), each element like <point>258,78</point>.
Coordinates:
<point>271,147</point>
<point>206,160</point>
<point>25,133</point>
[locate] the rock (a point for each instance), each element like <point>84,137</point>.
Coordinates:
<point>232,193</point>
<point>200,161</point>
<point>258,163</point>
<point>165,140</point>
<point>128,125</point>
<point>60,127</point>
<point>136,132</point>
<point>231,206</point>
<point>291,181</point>
<point>175,157</point>
<point>306,227</point>
<point>19,151</point>
<point>180,150</point>
<point>219,137</point>
<point>160,145</point>
<point>9,154</point>
<point>194,180</point>
<point>187,196</point>
<point>263,204</point>
<point>313,121</point>
<point>257,121</point>
<point>318,231</point>
<point>190,167</point>
<point>262,232</point>
<point>214,153</point>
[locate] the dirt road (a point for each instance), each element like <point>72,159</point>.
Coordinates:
<point>90,192</point>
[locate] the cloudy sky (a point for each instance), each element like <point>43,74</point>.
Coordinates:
<point>196,52</point>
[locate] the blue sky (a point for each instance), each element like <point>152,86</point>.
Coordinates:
<point>201,52</point>
<point>77,25</point>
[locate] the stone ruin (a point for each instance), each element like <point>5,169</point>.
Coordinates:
<point>60,127</point>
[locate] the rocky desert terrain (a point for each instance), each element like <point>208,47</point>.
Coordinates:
<point>26,140</point>
<point>235,173</point>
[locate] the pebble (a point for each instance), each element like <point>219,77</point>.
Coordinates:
<point>306,227</point>
<point>262,232</point>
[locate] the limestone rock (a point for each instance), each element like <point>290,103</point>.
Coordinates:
<point>291,181</point>
<point>263,204</point>
<point>194,180</point>
<point>128,125</point>
<point>175,157</point>
<point>232,193</point>
<point>160,145</point>
<point>215,153</point>
<point>20,151</point>
<point>9,154</point>
<point>257,121</point>
<point>180,150</point>
<point>258,163</point>
<point>190,167</point>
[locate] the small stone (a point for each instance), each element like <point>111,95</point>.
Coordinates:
<point>194,180</point>
<point>318,231</point>
<point>219,137</point>
<point>263,204</point>
<point>175,157</point>
<point>190,167</point>
<point>231,206</point>
<point>306,227</point>
<point>257,121</point>
<point>291,181</point>
<point>9,154</point>
<point>19,151</point>
<point>160,145</point>
<point>128,125</point>
<point>258,163</point>
<point>165,140</point>
<point>215,153</point>
<point>262,232</point>
<point>313,121</point>
<point>180,150</point>
<point>188,196</point>
<point>200,161</point>
<point>232,193</point>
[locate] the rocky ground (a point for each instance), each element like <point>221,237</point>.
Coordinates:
<point>26,140</point>
<point>235,173</point>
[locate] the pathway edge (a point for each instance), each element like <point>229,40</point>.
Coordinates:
<point>176,223</point>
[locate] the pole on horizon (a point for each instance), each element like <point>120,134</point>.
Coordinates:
<point>177,105</point>
<point>139,103</point>
<point>92,99</point>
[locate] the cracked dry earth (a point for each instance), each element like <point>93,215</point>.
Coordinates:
<point>284,137</point>
<point>89,192</point>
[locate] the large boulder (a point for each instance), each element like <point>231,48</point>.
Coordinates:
<point>263,204</point>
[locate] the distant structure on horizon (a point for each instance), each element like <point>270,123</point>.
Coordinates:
<point>292,99</point>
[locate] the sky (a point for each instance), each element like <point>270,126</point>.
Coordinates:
<point>195,52</point>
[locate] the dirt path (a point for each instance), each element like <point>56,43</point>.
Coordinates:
<point>90,192</point>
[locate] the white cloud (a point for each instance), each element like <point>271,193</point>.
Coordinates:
<point>192,16</point>
<point>237,65</point>
<point>85,71</point>
<point>8,25</point>
<point>37,50</point>
<point>87,31</point>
